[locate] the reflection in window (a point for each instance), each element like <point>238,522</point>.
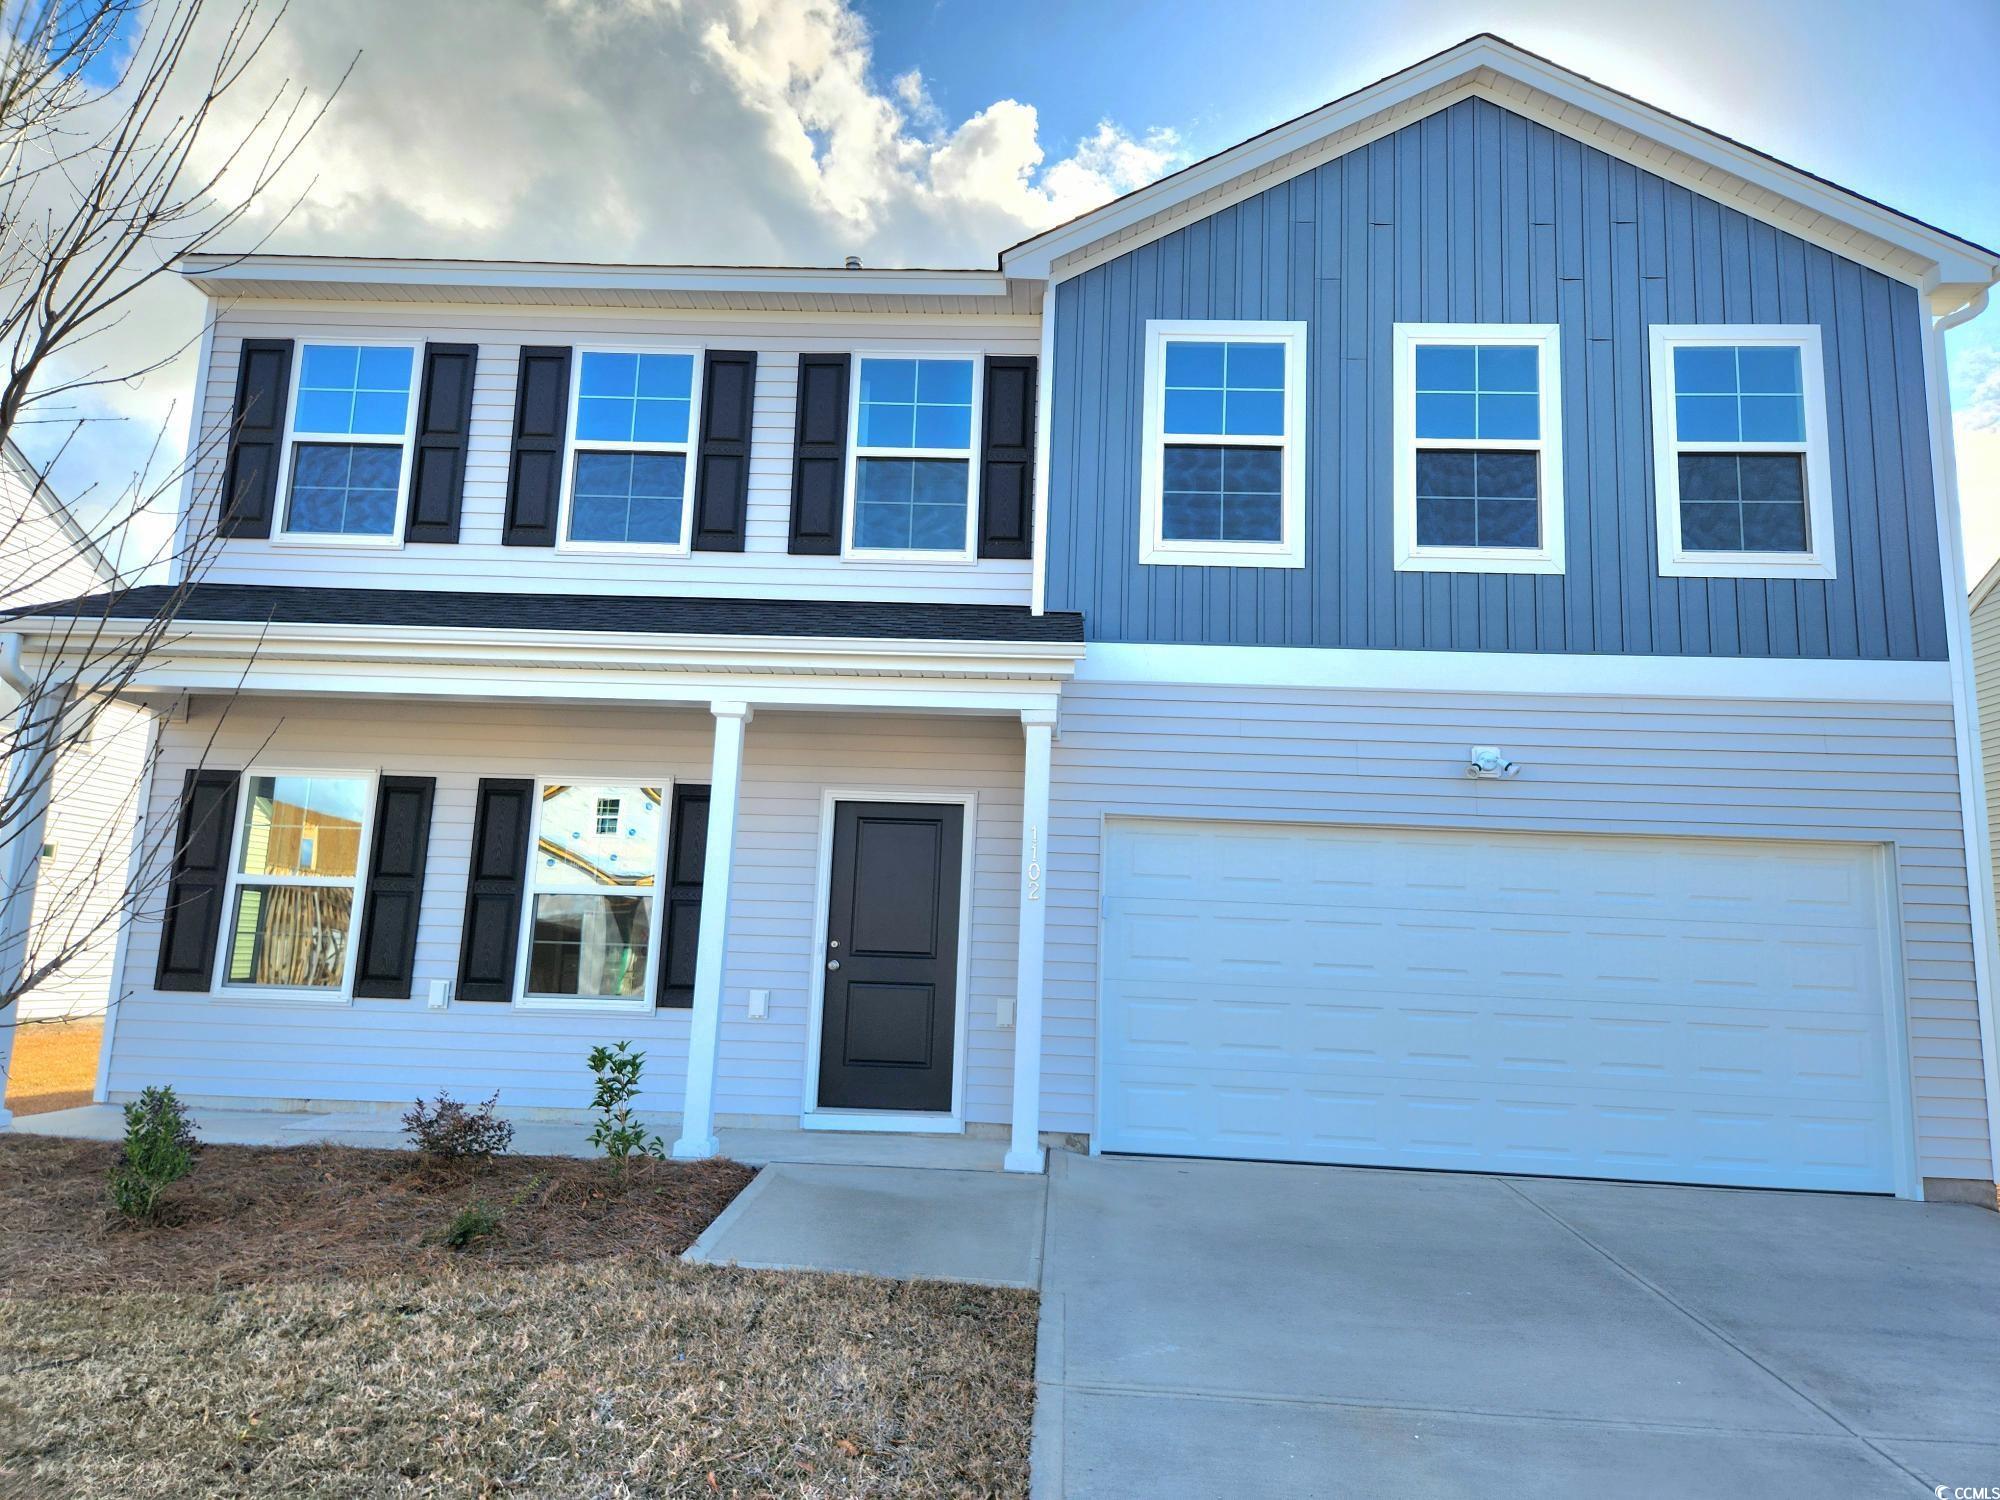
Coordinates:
<point>913,455</point>
<point>359,394</point>
<point>298,854</point>
<point>592,877</point>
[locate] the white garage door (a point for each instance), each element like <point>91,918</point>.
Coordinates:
<point>1674,1010</point>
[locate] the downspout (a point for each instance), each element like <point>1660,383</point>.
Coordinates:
<point>1973,814</point>
<point>10,664</point>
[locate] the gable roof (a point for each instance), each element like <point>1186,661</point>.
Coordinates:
<point>37,489</point>
<point>1486,66</point>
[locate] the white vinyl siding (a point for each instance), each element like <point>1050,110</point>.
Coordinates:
<point>1986,667</point>
<point>1870,774</point>
<point>388,1051</point>
<point>764,569</point>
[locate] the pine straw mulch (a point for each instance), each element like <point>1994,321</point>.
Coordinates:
<point>297,1329</point>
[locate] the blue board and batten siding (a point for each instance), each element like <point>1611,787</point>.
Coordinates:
<point>1475,214</point>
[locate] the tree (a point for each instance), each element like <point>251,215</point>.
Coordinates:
<point>132,132</point>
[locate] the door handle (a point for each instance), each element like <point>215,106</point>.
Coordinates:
<point>833,963</point>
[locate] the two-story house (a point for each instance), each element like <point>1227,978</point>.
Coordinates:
<point>1429,638</point>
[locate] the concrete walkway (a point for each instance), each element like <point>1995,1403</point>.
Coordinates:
<point>1226,1329</point>
<point>383,1130</point>
<point>884,1221</point>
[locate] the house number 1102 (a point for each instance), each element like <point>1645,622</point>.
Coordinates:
<point>1034,870</point>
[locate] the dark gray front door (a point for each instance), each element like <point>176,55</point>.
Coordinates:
<point>891,956</point>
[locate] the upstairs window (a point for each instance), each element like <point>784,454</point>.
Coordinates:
<point>631,424</point>
<point>1740,467</point>
<point>298,859</point>
<point>913,441</point>
<point>1478,435</point>
<point>348,457</point>
<point>1222,476</point>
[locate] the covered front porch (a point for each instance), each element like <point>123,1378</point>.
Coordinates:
<point>846,949</point>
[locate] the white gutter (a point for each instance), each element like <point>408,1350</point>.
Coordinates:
<point>10,664</point>
<point>1974,824</point>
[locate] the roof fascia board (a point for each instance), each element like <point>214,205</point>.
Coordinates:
<point>1454,75</point>
<point>221,270</point>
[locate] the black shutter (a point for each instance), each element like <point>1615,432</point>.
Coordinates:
<point>256,437</point>
<point>444,425</point>
<point>395,891</point>
<point>201,875</point>
<point>819,455</point>
<point>541,423</point>
<point>722,462</point>
<point>1007,462</point>
<point>687,856</point>
<point>493,890</point>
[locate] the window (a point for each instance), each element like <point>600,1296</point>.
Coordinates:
<point>1222,477</point>
<point>292,882</point>
<point>1741,476</point>
<point>593,873</point>
<point>1478,432</point>
<point>348,454</point>
<point>631,426</point>
<point>913,440</point>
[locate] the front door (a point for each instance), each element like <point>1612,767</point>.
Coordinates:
<point>891,956</point>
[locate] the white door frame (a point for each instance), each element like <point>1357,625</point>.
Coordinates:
<point>811,1116</point>
<point>1895,1006</point>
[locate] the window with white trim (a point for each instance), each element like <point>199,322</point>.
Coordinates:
<point>1741,475</point>
<point>1478,448</point>
<point>1222,473</point>
<point>915,422</point>
<point>294,876</point>
<point>592,914</point>
<point>633,417</point>
<point>347,455</point>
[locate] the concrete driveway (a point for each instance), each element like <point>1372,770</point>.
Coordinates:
<point>1228,1329</point>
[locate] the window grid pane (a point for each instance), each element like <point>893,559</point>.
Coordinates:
<point>1218,494</point>
<point>344,489</point>
<point>290,936</point>
<point>302,826</point>
<point>1743,502</point>
<point>354,390</point>
<point>1478,498</point>
<point>634,398</point>
<point>628,497</point>
<point>1739,393</point>
<point>915,403</point>
<point>574,850</point>
<point>911,504</point>
<point>1231,389</point>
<point>590,947</point>
<point>1472,391</point>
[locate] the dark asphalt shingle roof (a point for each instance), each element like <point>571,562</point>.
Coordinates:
<point>450,609</point>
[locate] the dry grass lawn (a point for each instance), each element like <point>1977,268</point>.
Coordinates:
<point>297,1329</point>
<point>55,1066</point>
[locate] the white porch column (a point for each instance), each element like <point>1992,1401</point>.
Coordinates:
<point>37,737</point>
<point>697,1136</point>
<point>1024,1146</point>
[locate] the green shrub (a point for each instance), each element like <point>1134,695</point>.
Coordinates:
<point>447,1131</point>
<point>471,1223</point>
<point>160,1147</point>
<point>619,1135</point>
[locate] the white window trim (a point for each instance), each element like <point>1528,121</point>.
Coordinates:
<point>1551,556</point>
<point>573,445</point>
<point>646,1001</point>
<point>343,993</point>
<point>284,534</point>
<point>1817,561</point>
<point>1289,551</point>
<point>967,554</point>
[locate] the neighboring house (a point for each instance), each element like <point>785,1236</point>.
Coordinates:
<point>1427,639</point>
<point>82,855</point>
<point>1985,614</point>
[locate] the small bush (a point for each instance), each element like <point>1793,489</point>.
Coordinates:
<point>160,1147</point>
<point>447,1131</point>
<point>470,1224</point>
<point>619,1134</point>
